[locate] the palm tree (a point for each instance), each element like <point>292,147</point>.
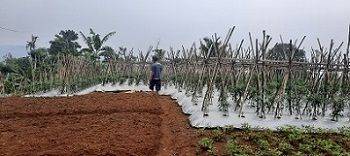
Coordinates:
<point>31,44</point>
<point>31,47</point>
<point>95,44</point>
<point>65,43</point>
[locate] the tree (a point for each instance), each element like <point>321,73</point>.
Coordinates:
<point>40,59</point>
<point>65,43</point>
<point>95,44</point>
<point>4,68</point>
<point>31,45</point>
<point>282,52</point>
<point>159,53</point>
<point>20,66</point>
<point>208,45</point>
<point>39,55</point>
<point>16,72</point>
<point>108,53</point>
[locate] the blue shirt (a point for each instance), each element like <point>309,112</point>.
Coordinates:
<point>157,69</point>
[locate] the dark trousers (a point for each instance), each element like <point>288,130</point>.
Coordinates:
<point>155,83</point>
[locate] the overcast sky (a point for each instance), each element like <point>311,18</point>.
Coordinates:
<point>139,23</point>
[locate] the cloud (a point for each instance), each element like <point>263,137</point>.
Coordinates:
<point>175,22</point>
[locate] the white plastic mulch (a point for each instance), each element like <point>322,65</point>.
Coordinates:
<point>216,118</point>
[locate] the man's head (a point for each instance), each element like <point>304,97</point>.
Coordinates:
<point>155,58</point>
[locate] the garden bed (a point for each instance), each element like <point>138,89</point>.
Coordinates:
<point>215,117</point>
<point>140,123</point>
<point>96,123</point>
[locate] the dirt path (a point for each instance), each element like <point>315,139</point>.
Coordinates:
<point>98,123</point>
<point>178,138</point>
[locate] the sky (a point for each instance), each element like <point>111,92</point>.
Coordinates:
<point>141,23</point>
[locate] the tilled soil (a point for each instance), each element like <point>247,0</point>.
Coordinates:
<point>98,123</point>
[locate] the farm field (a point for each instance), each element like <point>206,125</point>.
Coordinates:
<point>175,78</point>
<point>97,123</point>
<point>139,123</point>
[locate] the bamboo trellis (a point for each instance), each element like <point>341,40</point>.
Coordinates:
<point>303,89</point>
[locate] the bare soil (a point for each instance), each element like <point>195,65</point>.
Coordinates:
<point>98,123</point>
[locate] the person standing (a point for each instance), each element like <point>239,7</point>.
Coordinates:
<point>156,72</point>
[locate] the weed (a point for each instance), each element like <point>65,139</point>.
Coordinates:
<point>264,144</point>
<point>201,132</point>
<point>293,133</point>
<point>207,144</point>
<point>218,135</point>
<point>246,127</point>
<point>233,149</point>
<point>285,147</point>
<point>345,131</point>
<point>329,146</point>
<point>306,148</point>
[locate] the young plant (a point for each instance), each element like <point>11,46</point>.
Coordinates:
<point>233,149</point>
<point>329,147</point>
<point>307,148</point>
<point>285,147</point>
<point>223,103</point>
<point>218,135</point>
<point>207,144</point>
<point>338,107</point>
<point>246,127</point>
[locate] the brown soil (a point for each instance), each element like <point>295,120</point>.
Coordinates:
<point>98,123</point>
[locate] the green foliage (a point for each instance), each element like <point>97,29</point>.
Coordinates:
<point>233,149</point>
<point>95,45</point>
<point>338,106</point>
<point>31,45</point>
<point>238,89</point>
<point>223,103</point>
<point>306,148</point>
<point>218,135</point>
<point>329,146</point>
<point>285,147</point>
<point>344,131</point>
<point>282,52</point>
<point>65,43</point>
<point>293,133</point>
<point>246,127</point>
<point>289,140</point>
<point>9,85</point>
<point>263,144</point>
<point>159,53</point>
<point>207,144</point>
<point>206,45</point>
